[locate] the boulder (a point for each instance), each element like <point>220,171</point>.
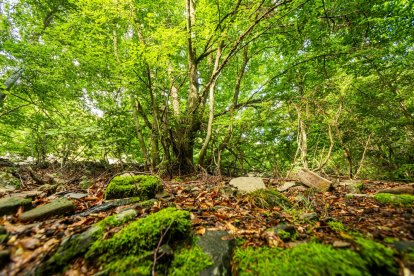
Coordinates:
<point>248,184</point>
<point>313,180</point>
<point>143,186</point>
<point>57,207</point>
<point>220,248</point>
<point>10,205</point>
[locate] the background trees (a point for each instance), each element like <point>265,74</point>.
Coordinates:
<point>232,86</point>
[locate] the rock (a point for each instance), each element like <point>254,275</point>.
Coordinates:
<point>76,245</point>
<point>404,246</point>
<point>8,182</point>
<point>220,248</point>
<point>48,188</point>
<point>286,186</point>
<point>76,195</point>
<point>405,189</point>
<point>56,207</point>
<point>10,205</point>
<point>28,194</point>
<point>286,232</point>
<point>341,244</point>
<point>4,258</point>
<point>300,188</point>
<point>353,186</point>
<point>85,184</point>
<point>268,198</point>
<point>308,216</point>
<point>110,204</point>
<point>142,186</point>
<point>248,184</point>
<point>313,180</point>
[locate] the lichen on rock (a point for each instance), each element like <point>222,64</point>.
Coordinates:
<point>142,186</point>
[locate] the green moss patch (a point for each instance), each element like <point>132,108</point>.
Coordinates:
<point>142,186</point>
<point>267,198</point>
<point>398,200</point>
<point>305,259</point>
<point>190,261</point>
<point>379,258</point>
<point>133,246</point>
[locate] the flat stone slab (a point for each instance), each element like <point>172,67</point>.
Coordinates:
<point>56,207</point>
<point>286,186</point>
<point>248,184</point>
<point>76,195</point>
<point>220,248</point>
<point>10,205</point>
<point>28,194</point>
<point>313,180</point>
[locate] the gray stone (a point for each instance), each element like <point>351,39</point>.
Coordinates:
<point>286,186</point>
<point>404,246</point>
<point>220,248</point>
<point>76,195</point>
<point>56,207</point>
<point>248,184</point>
<point>313,180</point>
<point>10,205</point>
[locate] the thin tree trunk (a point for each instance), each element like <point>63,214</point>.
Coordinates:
<point>211,111</point>
<point>138,130</point>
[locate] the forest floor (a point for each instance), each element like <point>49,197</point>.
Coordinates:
<point>212,207</point>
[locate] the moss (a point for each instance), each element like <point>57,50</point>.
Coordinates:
<point>305,259</point>
<point>142,186</point>
<point>140,237</point>
<point>285,236</point>
<point>78,244</point>
<point>398,200</point>
<point>267,198</point>
<point>379,258</point>
<point>336,226</point>
<point>190,261</point>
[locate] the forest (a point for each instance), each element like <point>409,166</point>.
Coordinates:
<point>178,98</point>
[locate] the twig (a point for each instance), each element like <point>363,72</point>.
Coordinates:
<point>156,257</point>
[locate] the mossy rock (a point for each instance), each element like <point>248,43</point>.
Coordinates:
<point>305,259</point>
<point>8,180</point>
<point>130,251</point>
<point>76,245</point>
<point>142,186</point>
<point>268,198</point>
<point>393,199</point>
